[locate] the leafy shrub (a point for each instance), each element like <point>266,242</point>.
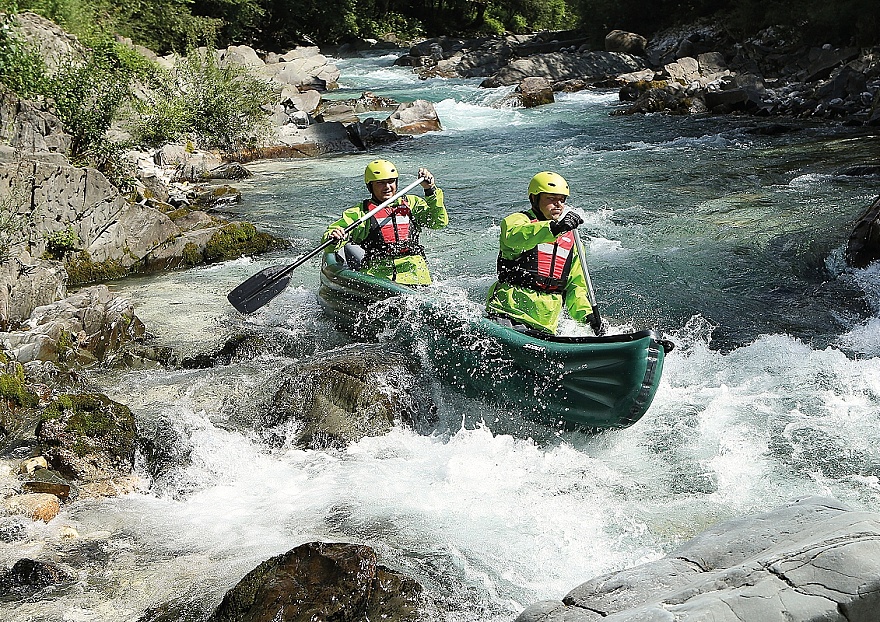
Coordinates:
<point>59,243</point>
<point>22,69</point>
<point>216,106</point>
<point>88,94</point>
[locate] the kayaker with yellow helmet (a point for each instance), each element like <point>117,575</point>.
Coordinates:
<point>390,238</point>
<point>538,265</point>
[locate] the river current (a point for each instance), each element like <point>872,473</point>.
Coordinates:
<point>724,239</point>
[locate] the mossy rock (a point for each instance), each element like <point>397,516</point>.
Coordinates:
<point>192,255</point>
<point>238,239</point>
<point>82,270</point>
<point>88,436</point>
<point>13,389</point>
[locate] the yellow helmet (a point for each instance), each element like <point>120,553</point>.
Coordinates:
<point>379,169</point>
<point>551,183</point>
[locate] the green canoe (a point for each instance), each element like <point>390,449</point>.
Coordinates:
<point>579,382</point>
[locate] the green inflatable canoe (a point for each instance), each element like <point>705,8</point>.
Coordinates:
<point>588,383</point>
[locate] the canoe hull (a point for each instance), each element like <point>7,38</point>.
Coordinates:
<point>580,382</point>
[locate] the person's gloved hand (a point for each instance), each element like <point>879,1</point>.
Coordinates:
<point>596,322</point>
<point>569,222</point>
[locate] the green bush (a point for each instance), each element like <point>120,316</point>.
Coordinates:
<point>59,243</point>
<point>22,69</point>
<point>217,106</point>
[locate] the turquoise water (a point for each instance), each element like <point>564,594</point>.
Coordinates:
<point>728,242</point>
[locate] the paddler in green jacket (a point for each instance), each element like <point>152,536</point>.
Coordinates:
<point>390,238</point>
<point>538,264</point>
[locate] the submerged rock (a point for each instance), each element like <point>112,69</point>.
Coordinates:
<point>341,396</point>
<point>27,577</point>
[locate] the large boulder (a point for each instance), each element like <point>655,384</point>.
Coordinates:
<point>82,201</point>
<point>29,128</point>
<point>416,117</point>
<point>811,560</point>
<point>626,42</point>
<point>863,246</point>
<point>342,396</point>
<point>321,581</point>
<point>27,283</point>
<point>560,66</point>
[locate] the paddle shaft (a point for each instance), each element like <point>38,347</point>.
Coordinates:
<point>243,297</point>
<point>583,259</point>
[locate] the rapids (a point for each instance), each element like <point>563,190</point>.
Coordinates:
<point>727,241</point>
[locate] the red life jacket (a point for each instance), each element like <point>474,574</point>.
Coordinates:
<point>393,232</point>
<point>544,268</point>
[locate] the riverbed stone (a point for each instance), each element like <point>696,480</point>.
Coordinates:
<point>344,395</point>
<point>27,577</point>
<point>88,437</point>
<point>863,246</point>
<point>37,505</point>
<point>812,559</point>
<point>321,581</point>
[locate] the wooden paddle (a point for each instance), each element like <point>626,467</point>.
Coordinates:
<point>266,284</point>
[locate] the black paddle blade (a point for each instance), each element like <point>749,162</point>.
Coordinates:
<point>259,289</point>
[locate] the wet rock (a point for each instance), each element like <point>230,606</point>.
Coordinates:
<point>27,577</point>
<point>416,117</point>
<point>48,481</point>
<point>535,92</point>
<point>342,396</point>
<point>230,170</point>
<point>369,133</point>
<point>38,505</point>
<point>863,246</point>
<point>88,437</point>
<point>812,559</point>
<point>321,581</point>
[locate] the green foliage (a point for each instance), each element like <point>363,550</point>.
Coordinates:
<point>218,106</point>
<point>61,242</point>
<point>88,94</point>
<point>22,69</point>
<point>405,28</point>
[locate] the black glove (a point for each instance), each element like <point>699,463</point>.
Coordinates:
<point>596,322</point>
<point>569,222</point>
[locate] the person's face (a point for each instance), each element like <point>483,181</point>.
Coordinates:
<point>551,205</point>
<point>383,189</point>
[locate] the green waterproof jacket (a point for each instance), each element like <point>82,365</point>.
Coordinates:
<point>407,270</point>
<point>536,309</point>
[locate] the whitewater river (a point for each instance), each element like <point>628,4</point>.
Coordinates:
<point>727,241</point>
